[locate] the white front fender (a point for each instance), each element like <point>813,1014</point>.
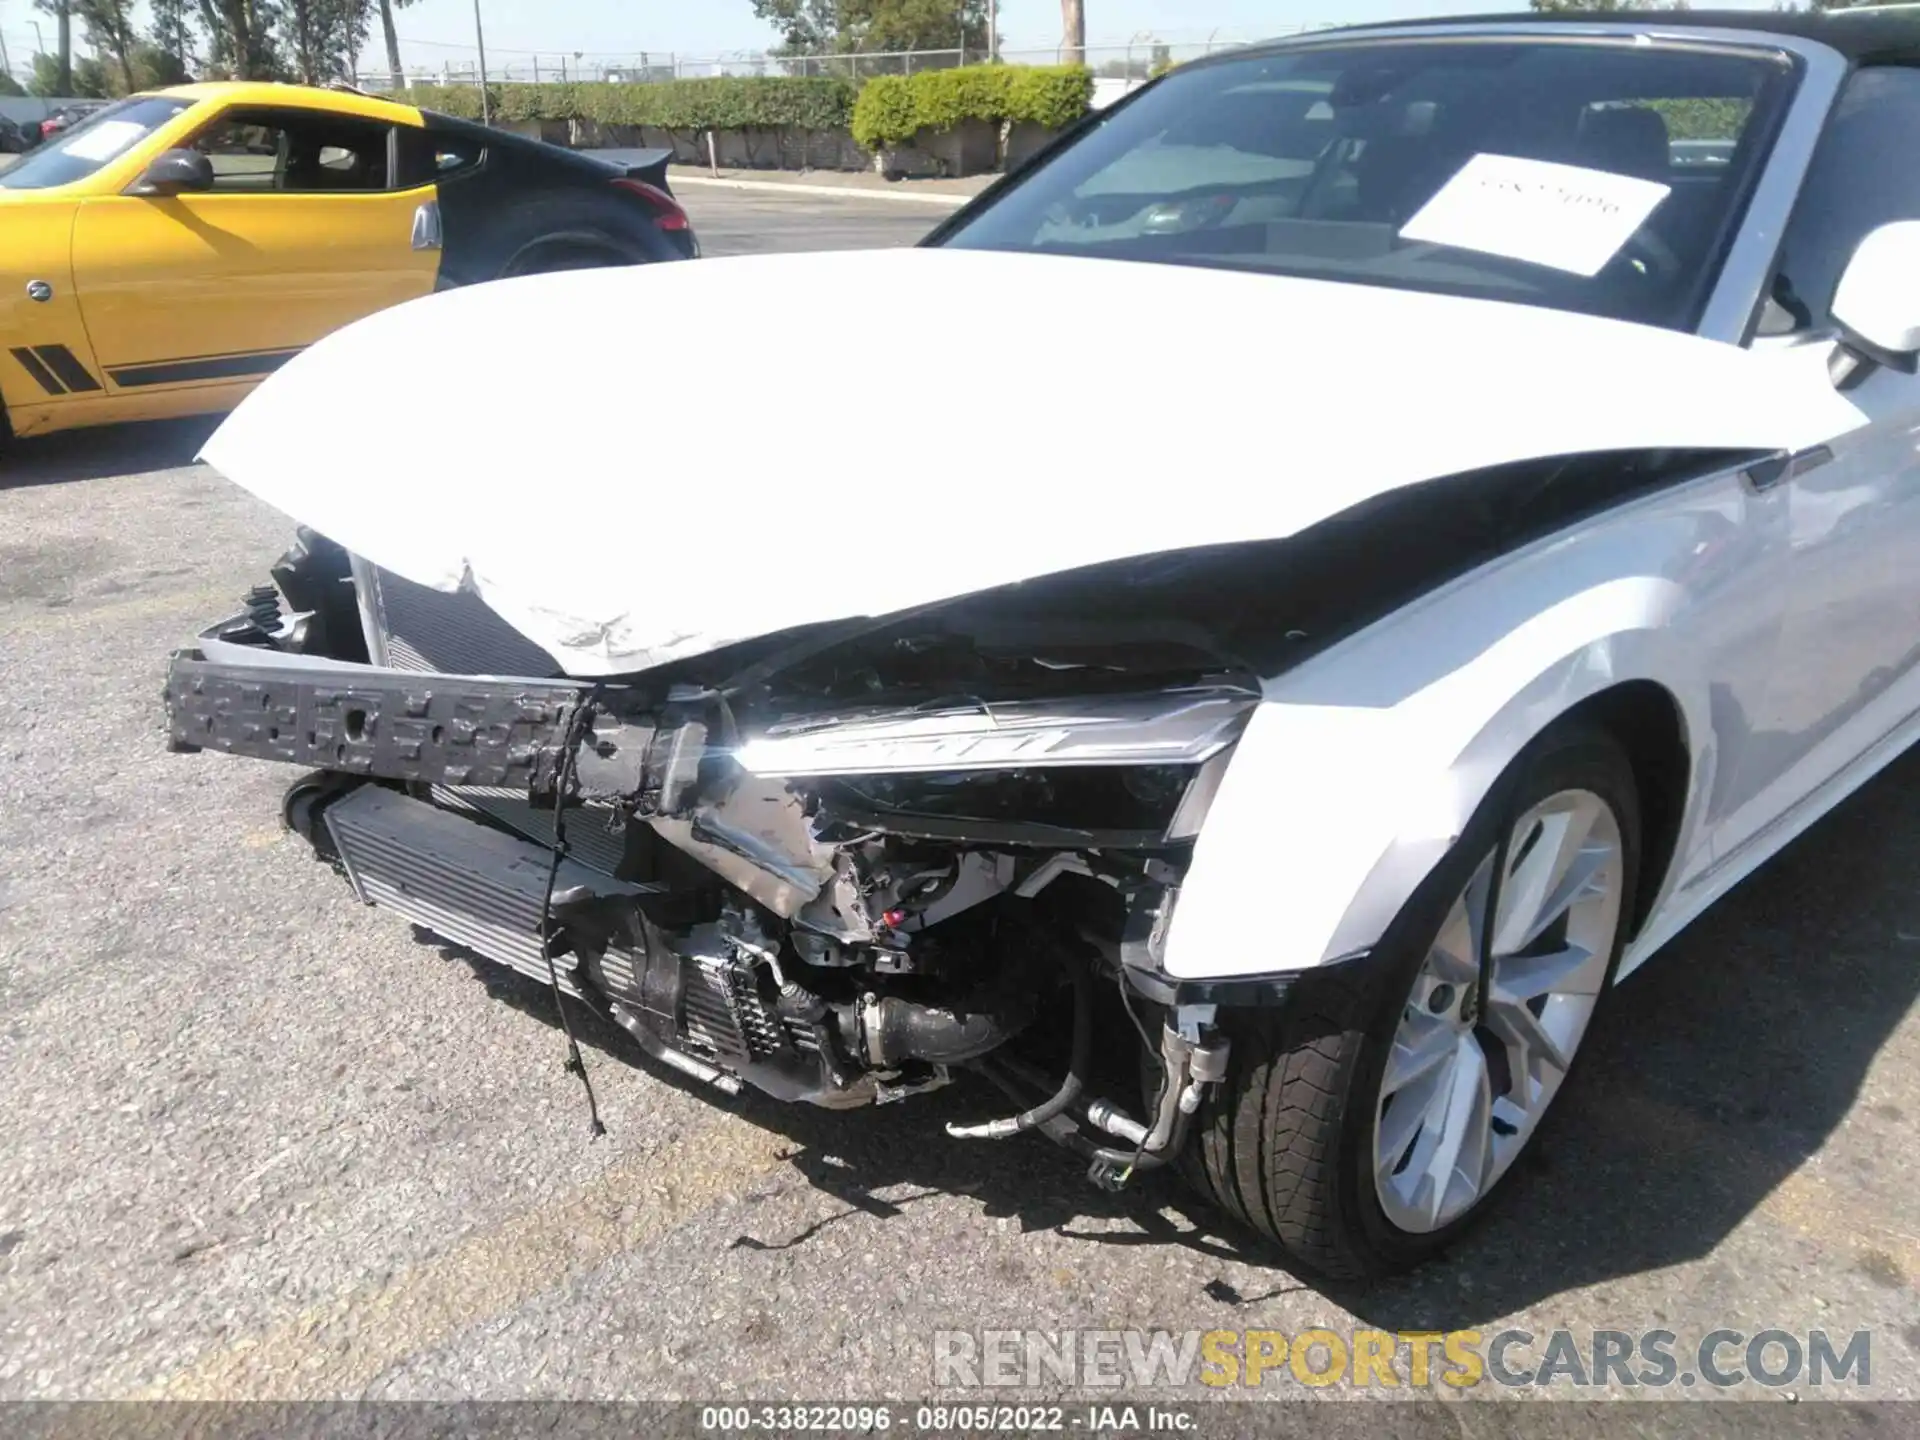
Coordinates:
<point>1361,768</point>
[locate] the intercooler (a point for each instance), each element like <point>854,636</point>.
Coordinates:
<point>595,831</point>
<point>447,872</point>
<point>482,889</point>
<point>456,877</point>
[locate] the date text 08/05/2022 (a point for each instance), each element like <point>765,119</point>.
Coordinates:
<point>945,1419</point>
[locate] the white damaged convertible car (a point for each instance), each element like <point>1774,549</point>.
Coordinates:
<point>1444,507</point>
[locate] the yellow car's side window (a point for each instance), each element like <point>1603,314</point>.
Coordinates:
<point>245,156</point>
<point>295,151</point>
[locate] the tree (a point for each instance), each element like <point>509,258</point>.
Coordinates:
<point>155,68</point>
<point>1557,6</point>
<point>45,80</point>
<point>10,86</point>
<point>387,7</point>
<point>94,79</point>
<point>240,38</point>
<point>1073,32</point>
<point>110,28</point>
<point>884,26</point>
<point>322,37</point>
<point>172,31</point>
<point>843,27</point>
<point>86,79</point>
<point>807,27</point>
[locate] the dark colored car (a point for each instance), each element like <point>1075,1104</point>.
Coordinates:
<point>525,192</point>
<point>67,117</point>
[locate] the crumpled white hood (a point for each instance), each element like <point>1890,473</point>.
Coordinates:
<point>632,466</point>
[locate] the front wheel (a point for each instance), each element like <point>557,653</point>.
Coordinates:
<point>1371,1119</point>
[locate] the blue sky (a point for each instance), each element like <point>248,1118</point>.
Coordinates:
<point>436,30</point>
<point>432,30</point>
<point>719,25</point>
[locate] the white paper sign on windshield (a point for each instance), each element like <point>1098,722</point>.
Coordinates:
<point>105,140</point>
<point>1564,216</point>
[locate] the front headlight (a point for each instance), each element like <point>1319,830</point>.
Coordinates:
<point>1173,727</point>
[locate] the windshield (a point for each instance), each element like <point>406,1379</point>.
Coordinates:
<point>104,135</point>
<point>1592,176</point>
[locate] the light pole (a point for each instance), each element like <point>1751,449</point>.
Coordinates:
<point>993,30</point>
<point>480,42</point>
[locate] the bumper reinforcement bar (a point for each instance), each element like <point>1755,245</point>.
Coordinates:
<point>381,724</point>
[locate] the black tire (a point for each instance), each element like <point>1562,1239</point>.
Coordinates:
<point>570,252</point>
<point>566,232</point>
<point>1285,1145</point>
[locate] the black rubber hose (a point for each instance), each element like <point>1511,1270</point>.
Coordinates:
<point>1070,1088</point>
<point>892,1030</point>
<point>907,1031</point>
<point>1063,1131</point>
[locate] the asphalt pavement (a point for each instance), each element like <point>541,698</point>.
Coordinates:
<point>755,222</point>
<point>261,1142</point>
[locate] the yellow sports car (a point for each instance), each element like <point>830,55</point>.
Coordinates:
<point>164,255</point>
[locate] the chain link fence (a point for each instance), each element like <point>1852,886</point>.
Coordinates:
<point>1134,59</point>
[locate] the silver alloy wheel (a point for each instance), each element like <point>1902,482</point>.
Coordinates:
<point>1474,1067</point>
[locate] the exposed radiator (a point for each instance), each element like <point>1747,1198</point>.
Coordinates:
<point>454,634</point>
<point>588,839</point>
<point>452,875</point>
<point>478,887</point>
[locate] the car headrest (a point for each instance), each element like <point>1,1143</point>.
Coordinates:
<point>1625,140</point>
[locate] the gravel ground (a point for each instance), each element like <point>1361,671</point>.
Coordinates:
<point>263,1143</point>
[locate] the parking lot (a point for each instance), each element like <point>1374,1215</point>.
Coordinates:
<point>262,1142</point>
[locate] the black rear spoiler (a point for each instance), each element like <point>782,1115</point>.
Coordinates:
<point>650,167</point>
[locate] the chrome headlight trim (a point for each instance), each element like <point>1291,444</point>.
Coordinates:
<point>1171,727</point>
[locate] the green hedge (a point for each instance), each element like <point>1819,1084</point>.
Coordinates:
<point>742,102</point>
<point>892,109</point>
<point>888,110</point>
<point>885,113</point>
<point>1703,119</point>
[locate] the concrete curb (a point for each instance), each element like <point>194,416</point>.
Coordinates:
<point>838,192</point>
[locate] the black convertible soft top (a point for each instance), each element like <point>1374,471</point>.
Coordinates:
<point>1869,34</point>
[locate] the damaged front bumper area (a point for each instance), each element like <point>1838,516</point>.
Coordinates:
<point>834,905</point>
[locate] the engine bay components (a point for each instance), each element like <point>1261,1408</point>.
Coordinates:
<point>809,873</point>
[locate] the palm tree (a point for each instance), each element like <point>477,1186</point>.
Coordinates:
<point>1073,30</point>
<point>387,7</point>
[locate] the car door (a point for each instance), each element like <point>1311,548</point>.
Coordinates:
<point>48,375</point>
<point>300,233</point>
<point>1848,672</point>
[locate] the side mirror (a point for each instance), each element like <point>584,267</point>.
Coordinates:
<point>1877,302</point>
<point>174,172</point>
